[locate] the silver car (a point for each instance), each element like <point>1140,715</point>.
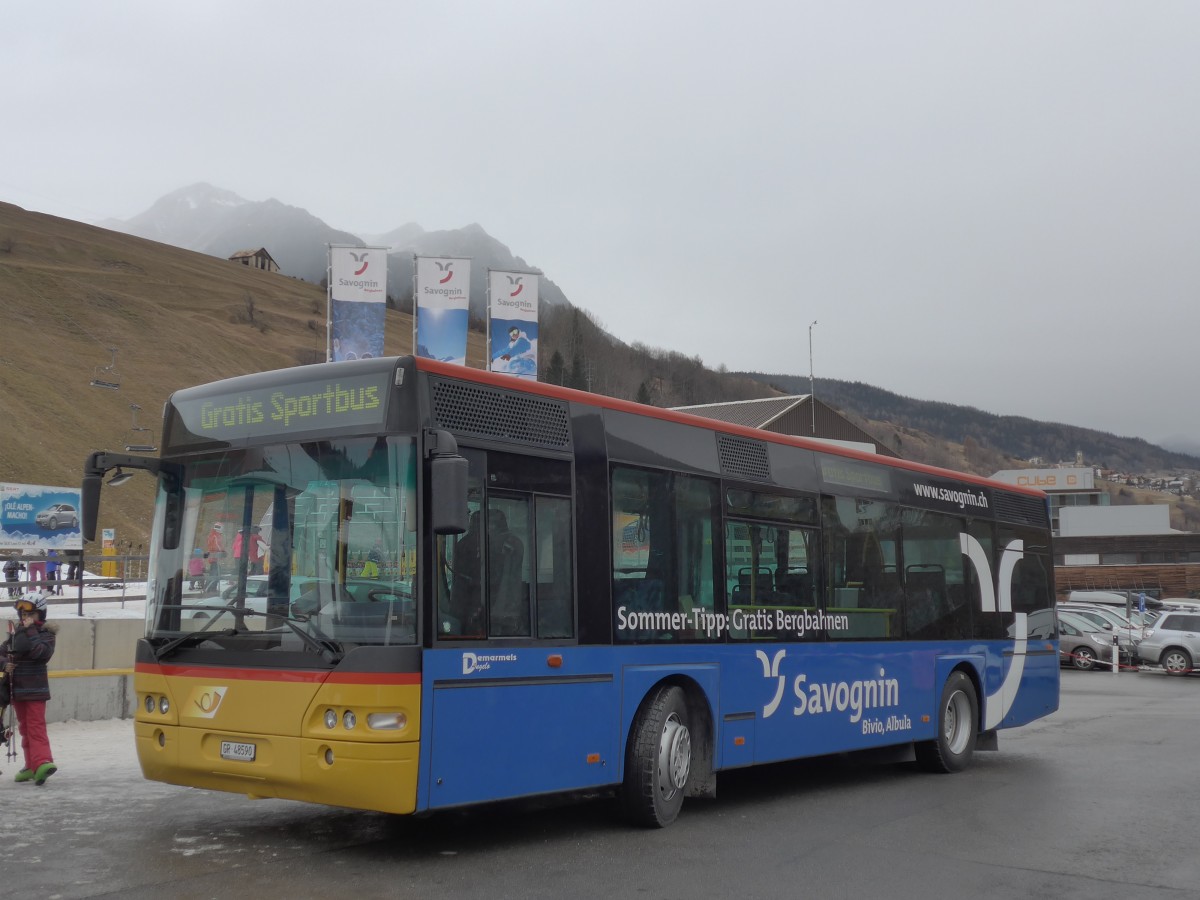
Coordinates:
<point>1082,644</point>
<point>60,515</point>
<point>1173,642</point>
<point>1107,620</point>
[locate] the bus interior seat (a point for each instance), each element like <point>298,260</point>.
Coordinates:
<point>795,584</point>
<point>753,586</point>
<point>927,577</point>
<point>508,596</point>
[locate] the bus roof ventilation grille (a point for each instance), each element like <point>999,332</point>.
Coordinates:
<point>1021,510</point>
<point>491,413</point>
<point>743,457</point>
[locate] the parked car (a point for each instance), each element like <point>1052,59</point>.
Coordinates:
<point>59,515</point>
<point>1173,642</point>
<point>1108,619</point>
<point>1081,643</point>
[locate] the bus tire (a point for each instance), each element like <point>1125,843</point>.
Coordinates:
<point>658,759</point>
<point>958,716</point>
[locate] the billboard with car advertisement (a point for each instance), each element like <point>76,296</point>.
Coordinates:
<point>36,517</point>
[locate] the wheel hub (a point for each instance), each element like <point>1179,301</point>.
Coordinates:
<point>674,757</point>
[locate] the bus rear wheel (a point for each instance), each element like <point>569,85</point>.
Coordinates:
<point>958,713</point>
<point>658,759</point>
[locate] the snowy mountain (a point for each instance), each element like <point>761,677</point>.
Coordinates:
<point>218,222</point>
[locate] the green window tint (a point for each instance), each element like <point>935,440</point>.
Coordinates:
<point>771,577</point>
<point>863,568</point>
<point>664,564</point>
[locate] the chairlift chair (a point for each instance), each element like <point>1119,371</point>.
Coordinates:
<point>138,431</point>
<point>107,377</point>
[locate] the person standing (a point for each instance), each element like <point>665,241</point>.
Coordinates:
<point>24,657</point>
<point>13,568</point>
<point>196,570</point>
<point>52,571</point>
<point>214,549</point>
<point>75,565</point>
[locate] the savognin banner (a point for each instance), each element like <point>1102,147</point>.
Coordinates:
<point>357,302</point>
<point>513,323</point>
<point>441,294</point>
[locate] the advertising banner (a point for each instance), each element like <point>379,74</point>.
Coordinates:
<point>513,323</point>
<point>441,294</point>
<point>34,517</point>
<point>357,302</point>
<point>108,547</point>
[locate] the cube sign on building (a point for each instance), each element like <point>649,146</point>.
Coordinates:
<point>357,302</point>
<point>36,517</point>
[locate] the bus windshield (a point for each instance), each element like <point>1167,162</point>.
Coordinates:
<point>301,546</point>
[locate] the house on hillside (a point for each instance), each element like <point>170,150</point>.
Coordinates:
<point>800,416</point>
<point>256,259</point>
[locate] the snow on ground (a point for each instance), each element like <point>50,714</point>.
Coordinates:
<point>108,601</point>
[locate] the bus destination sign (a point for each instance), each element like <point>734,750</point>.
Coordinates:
<point>328,404</point>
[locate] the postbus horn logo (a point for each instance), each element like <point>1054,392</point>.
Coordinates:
<point>448,268</point>
<point>360,259</point>
<point>206,699</point>
<point>515,279</point>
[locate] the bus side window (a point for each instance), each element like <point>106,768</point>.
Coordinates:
<point>664,567</point>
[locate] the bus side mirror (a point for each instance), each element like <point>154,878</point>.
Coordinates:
<point>89,502</point>
<point>448,490</point>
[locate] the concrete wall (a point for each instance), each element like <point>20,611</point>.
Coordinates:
<point>91,672</point>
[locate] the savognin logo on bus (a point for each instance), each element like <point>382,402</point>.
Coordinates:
<point>851,697</point>
<point>205,700</point>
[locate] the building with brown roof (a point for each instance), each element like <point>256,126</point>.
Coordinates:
<point>800,416</point>
<point>256,259</point>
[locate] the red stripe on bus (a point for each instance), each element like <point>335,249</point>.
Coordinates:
<point>292,676</point>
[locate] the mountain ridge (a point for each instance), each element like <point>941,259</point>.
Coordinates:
<point>179,318</point>
<point>218,222</point>
<point>1017,436</point>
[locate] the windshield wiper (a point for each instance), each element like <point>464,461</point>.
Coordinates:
<point>170,645</point>
<point>328,649</point>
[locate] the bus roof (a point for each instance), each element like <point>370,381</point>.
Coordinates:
<point>509,382</point>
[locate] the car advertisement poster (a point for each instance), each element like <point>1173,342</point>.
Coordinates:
<point>35,517</point>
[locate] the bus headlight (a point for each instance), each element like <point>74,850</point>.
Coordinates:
<point>389,721</point>
<point>163,705</point>
<point>349,720</point>
<point>330,719</point>
<point>149,704</point>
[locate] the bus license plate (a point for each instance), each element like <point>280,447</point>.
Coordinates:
<point>234,750</point>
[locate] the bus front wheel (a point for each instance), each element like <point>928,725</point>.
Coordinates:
<point>958,714</point>
<point>658,759</point>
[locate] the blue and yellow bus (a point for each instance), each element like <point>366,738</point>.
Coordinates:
<point>425,586</point>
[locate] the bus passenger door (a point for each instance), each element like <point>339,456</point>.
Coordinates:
<point>514,707</point>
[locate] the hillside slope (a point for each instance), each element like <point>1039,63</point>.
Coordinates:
<point>69,292</point>
<point>1014,436</point>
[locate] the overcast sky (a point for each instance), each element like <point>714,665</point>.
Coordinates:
<point>991,204</point>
